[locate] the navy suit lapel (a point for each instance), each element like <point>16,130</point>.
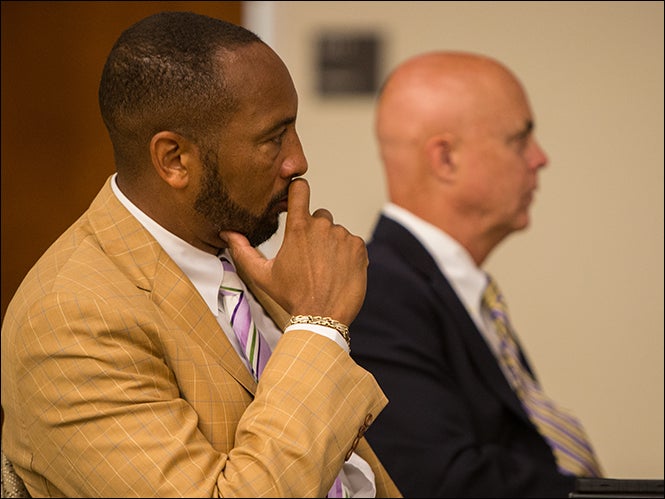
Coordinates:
<point>413,252</point>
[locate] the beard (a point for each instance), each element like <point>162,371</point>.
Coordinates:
<point>219,210</point>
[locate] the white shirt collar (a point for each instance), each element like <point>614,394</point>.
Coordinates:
<point>452,259</point>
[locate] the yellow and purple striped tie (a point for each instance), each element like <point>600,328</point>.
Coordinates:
<point>563,432</point>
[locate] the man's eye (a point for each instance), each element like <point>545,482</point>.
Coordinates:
<point>521,141</point>
<point>279,138</point>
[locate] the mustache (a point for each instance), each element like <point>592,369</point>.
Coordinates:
<point>279,197</point>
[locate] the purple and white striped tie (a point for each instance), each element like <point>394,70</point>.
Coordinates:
<point>563,431</point>
<point>253,344</point>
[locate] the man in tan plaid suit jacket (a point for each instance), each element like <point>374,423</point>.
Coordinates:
<point>117,379</point>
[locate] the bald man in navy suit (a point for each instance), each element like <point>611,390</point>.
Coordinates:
<point>456,136</point>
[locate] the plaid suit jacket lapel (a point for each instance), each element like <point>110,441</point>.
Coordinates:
<point>143,260</point>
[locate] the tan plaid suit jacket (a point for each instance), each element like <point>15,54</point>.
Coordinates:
<point>118,381</point>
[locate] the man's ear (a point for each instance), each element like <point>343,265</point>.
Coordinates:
<point>172,157</point>
<point>440,154</point>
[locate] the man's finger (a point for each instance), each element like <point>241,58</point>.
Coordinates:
<point>298,199</point>
<point>242,253</point>
<point>323,213</point>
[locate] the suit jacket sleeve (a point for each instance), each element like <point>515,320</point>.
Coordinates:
<point>385,487</point>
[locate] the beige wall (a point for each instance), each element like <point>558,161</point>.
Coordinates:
<point>585,282</point>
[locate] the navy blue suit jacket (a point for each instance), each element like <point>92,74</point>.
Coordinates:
<point>453,427</point>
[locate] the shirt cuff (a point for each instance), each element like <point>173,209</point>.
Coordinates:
<point>328,332</point>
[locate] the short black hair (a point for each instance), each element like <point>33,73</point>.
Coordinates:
<point>164,73</point>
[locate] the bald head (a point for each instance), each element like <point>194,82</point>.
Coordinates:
<point>437,92</point>
<point>455,131</point>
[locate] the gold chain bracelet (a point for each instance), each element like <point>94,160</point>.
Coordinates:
<point>323,321</point>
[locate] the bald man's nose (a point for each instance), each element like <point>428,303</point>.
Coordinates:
<point>537,156</point>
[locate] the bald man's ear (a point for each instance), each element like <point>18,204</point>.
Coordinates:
<point>172,157</point>
<point>439,150</point>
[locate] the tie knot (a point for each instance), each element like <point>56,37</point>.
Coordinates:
<point>230,280</point>
<point>226,263</point>
<point>492,297</point>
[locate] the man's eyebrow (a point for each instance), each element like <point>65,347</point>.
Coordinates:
<point>277,126</point>
<point>522,134</point>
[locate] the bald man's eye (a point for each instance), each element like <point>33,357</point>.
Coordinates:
<point>522,139</point>
<point>523,142</point>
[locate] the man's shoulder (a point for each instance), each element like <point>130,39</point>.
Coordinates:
<point>102,261</point>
